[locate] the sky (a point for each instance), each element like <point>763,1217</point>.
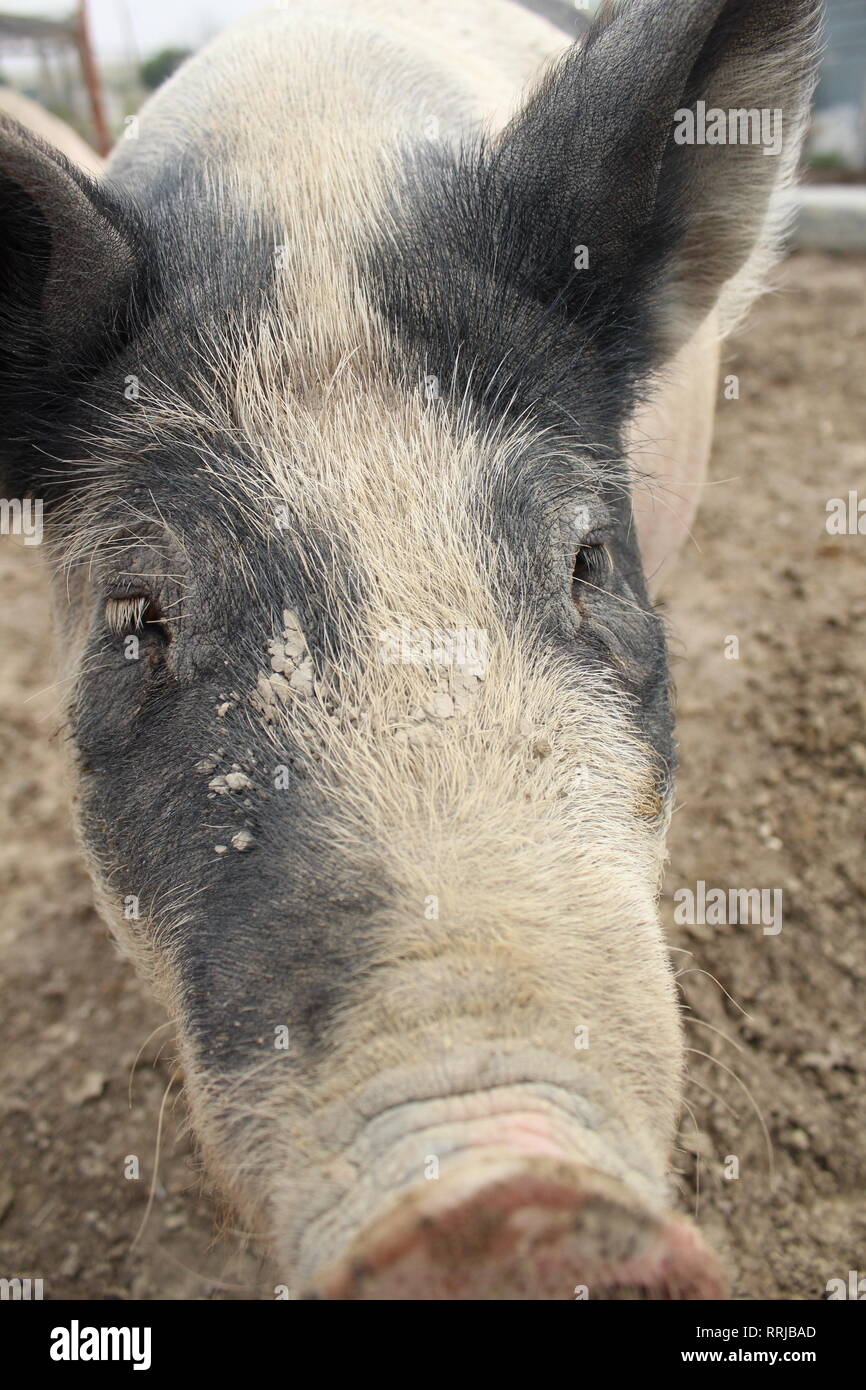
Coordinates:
<point>121,27</point>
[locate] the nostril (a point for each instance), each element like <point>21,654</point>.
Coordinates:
<point>522,1226</point>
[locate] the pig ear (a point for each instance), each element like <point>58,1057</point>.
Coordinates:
<point>595,159</point>
<point>67,265</point>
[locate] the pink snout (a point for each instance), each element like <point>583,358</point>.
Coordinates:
<point>518,1221</point>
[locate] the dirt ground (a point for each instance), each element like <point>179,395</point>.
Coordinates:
<point>772,795</point>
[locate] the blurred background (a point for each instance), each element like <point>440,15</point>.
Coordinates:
<point>135,46</point>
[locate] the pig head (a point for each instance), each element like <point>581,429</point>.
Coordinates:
<point>367,701</point>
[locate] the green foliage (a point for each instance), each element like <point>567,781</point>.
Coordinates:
<point>154,70</point>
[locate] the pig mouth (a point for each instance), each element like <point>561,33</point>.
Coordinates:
<point>521,1226</point>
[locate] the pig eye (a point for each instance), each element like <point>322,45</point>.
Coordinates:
<point>590,563</point>
<point>134,613</point>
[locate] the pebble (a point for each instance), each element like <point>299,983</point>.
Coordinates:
<point>439,706</point>
<point>280,687</point>
<point>90,1087</point>
<point>302,678</point>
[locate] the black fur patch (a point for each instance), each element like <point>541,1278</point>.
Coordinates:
<point>482,293</point>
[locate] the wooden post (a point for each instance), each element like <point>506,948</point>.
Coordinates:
<point>91,80</point>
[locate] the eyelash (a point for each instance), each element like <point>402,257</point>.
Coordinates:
<point>590,560</point>
<point>134,613</point>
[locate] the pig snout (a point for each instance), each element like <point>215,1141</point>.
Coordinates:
<point>522,1225</point>
<point>500,1197</point>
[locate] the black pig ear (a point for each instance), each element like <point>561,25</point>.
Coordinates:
<point>67,267</point>
<point>597,158</point>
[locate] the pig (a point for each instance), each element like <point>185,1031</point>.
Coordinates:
<point>335,389</point>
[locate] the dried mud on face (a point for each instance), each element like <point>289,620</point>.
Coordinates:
<point>772,794</point>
